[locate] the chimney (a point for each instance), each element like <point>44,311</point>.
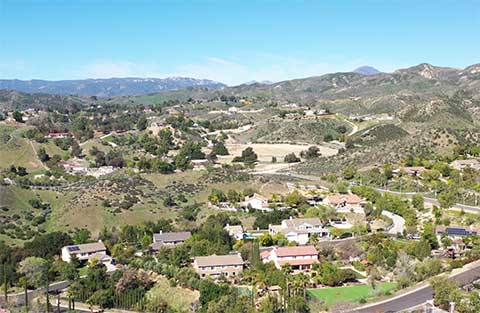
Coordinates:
<point>291,217</point>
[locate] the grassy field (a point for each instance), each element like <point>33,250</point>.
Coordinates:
<point>16,150</point>
<point>180,299</point>
<point>336,295</point>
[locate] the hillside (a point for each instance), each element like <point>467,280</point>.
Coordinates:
<point>107,87</point>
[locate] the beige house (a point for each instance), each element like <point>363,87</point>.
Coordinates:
<point>299,258</point>
<point>299,230</point>
<point>345,203</point>
<point>169,239</point>
<point>215,266</point>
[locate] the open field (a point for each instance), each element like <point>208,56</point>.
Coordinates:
<point>16,150</point>
<point>266,151</point>
<point>180,299</point>
<point>336,295</point>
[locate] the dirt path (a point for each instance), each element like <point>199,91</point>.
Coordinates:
<point>35,154</point>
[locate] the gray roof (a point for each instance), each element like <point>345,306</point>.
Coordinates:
<point>171,237</point>
<point>86,248</point>
<point>295,222</point>
<point>215,260</point>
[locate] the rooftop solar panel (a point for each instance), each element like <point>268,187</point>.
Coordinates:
<point>73,248</point>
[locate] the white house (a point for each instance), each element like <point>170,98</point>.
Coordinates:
<point>84,252</point>
<point>299,230</point>
<point>257,202</point>
<point>235,231</point>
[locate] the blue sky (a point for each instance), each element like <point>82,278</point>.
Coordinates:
<point>231,41</point>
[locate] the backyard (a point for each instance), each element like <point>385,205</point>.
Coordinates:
<point>332,296</point>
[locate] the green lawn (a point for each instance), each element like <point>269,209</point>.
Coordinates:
<point>349,294</point>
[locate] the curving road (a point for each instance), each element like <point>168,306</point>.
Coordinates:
<point>421,294</point>
<point>432,201</point>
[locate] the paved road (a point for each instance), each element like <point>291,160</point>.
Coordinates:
<point>19,298</point>
<point>432,201</point>
<point>398,222</point>
<point>468,274</point>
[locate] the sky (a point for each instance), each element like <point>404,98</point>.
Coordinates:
<point>231,41</point>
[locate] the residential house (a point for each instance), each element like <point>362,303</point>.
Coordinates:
<point>414,170</point>
<point>217,265</point>
<point>299,230</point>
<point>345,203</point>
<point>86,252</point>
<point>455,231</point>
<point>169,239</point>
<point>299,257</point>
<point>235,231</point>
<point>72,167</point>
<point>461,164</point>
<point>257,202</point>
<point>57,135</point>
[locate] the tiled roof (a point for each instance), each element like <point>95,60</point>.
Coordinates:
<point>347,198</point>
<point>215,260</point>
<point>86,248</point>
<point>295,222</point>
<point>171,236</point>
<point>296,251</point>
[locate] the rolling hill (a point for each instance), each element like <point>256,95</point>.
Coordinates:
<point>107,87</point>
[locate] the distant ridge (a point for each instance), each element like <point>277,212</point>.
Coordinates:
<point>263,82</point>
<point>109,87</point>
<point>366,70</point>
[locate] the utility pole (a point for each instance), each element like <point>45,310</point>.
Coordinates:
<point>47,300</point>
<point>26,295</point>
<point>5,283</point>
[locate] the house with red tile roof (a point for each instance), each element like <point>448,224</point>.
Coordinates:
<point>345,203</point>
<point>299,257</point>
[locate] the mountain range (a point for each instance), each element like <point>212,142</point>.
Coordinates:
<point>110,87</point>
<point>366,70</point>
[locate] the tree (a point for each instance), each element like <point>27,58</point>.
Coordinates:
<point>34,269</point>
<point>265,239</point>
<point>445,291</point>
<point>311,153</point>
<point>81,236</point>
<point>216,196</point>
<point>294,199</point>
<point>447,198</point>
<point>429,235</point>
<point>219,148</point>
<point>291,158</point>
<point>76,149</point>
<point>17,116</point>
<point>249,157</point>
<point>142,123</point>
<point>42,155</point>
<point>373,276</point>
<point>388,171</point>
<point>349,172</point>
<point>418,202</point>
